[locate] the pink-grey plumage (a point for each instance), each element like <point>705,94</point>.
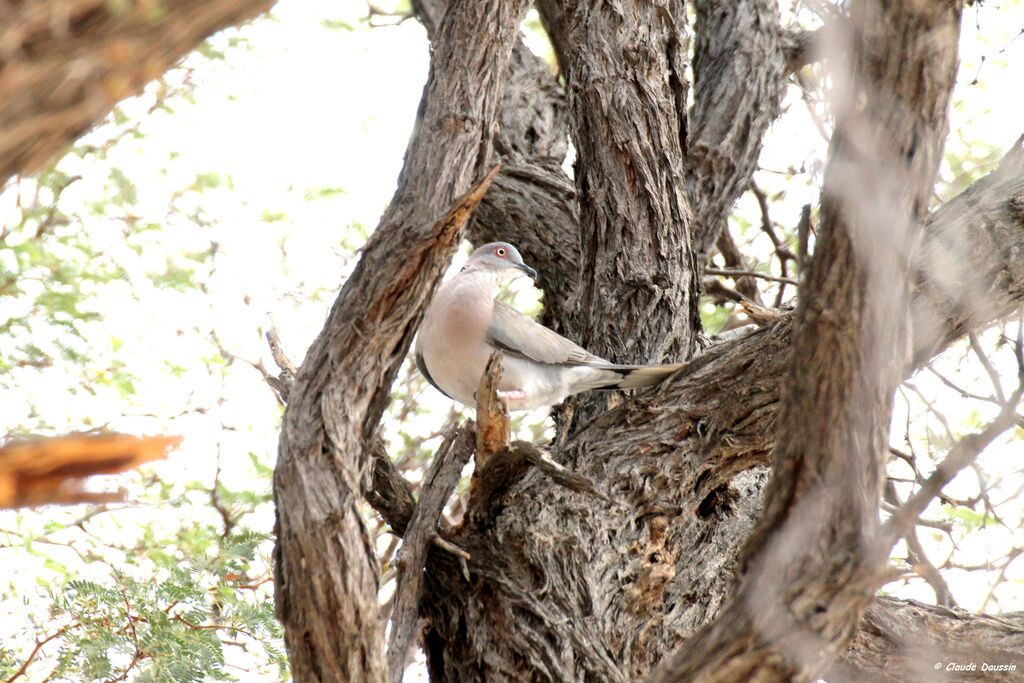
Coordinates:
<point>464,324</point>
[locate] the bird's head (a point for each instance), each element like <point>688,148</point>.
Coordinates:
<point>501,260</point>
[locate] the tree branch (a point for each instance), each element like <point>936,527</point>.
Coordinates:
<point>452,455</point>
<point>799,48</point>
<point>390,494</point>
<point>961,455</point>
<point>732,389</point>
<point>739,78</point>
<point>901,641</point>
<point>65,65</point>
<point>638,298</point>
<point>733,258</point>
<point>325,570</point>
<point>532,203</point>
<point>810,564</point>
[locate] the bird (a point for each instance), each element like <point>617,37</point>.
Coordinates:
<point>465,323</point>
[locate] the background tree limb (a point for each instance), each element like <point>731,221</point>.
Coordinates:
<point>64,65</point>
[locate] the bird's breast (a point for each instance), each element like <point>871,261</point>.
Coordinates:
<point>453,337</point>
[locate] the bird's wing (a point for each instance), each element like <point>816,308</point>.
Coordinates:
<point>518,335</point>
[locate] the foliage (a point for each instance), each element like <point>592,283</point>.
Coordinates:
<point>174,585</point>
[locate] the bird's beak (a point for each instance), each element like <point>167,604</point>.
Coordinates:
<point>528,270</point>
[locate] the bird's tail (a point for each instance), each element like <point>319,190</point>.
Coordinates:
<point>638,376</point>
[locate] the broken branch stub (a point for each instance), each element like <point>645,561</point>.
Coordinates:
<point>492,419</point>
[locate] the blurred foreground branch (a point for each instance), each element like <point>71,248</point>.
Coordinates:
<point>47,471</point>
<point>64,66</point>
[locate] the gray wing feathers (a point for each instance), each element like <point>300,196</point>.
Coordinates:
<point>518,335</point>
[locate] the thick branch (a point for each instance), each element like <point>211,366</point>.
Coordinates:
<point>638,298</point>
<point>533,203</point>
<point>64,65</point>
<point>390,493</point>
<point>902,641</point>
<point>731,391</point>
<point>325,569</point>
<point>971,264</point>
<point>810,565</point>
<point>739,78</point>
<point>451,457</point>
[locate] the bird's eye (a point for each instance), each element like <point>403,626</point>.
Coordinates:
<point>500,251</point>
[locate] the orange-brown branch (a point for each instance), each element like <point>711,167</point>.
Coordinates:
<point>44,471</point>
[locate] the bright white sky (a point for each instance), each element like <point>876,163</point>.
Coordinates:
<point>302,109</point>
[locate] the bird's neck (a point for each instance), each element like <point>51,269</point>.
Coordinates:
<point>485,280</point>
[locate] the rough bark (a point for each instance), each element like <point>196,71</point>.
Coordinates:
<point>903,640</point>
<point>968,270</point>
<point>533,203</point>
<point>625,70</point>
<point>625,66</point>
<point>325,568</point>
<point>64,64</point>
<point>739,77</point>
<point>812,564</point>
<point>741,62</point>
<point>684,463</point>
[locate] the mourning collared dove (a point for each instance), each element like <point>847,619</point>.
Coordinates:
<point>464,324</point>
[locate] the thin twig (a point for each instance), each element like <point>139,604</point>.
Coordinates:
<point>728,272</point>
<point>733,258</point>
<point>803,232</point>
<point>960,456</point>
<point>987,365</point>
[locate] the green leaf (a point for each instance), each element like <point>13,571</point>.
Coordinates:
<point>126,192</point>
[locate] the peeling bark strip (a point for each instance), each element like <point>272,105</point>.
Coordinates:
<point>810,563</point>
<point>493,424</point>
<point>325,568</point>
<point>65,64</point>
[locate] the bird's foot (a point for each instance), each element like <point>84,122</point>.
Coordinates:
<point>513,400</point>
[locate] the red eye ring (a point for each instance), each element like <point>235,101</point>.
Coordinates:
<point>500,251</point>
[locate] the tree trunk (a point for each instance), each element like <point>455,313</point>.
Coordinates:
<point>672,543</point>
